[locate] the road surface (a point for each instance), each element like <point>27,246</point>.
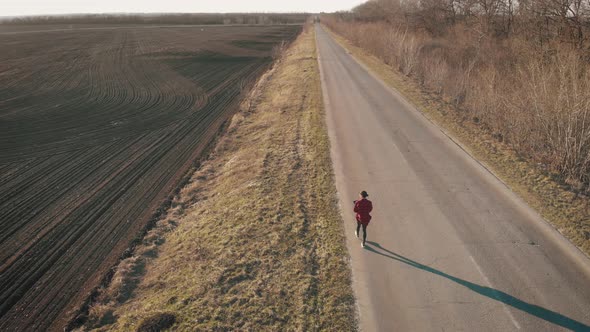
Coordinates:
<point>450,248</point>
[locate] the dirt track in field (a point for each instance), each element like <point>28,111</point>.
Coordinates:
<point>98,127</point>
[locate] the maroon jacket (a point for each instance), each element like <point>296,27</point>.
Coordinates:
<point>362,208</point>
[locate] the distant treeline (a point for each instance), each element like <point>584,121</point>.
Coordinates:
<point>207,19</point>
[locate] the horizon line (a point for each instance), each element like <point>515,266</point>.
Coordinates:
<point>154,13</point>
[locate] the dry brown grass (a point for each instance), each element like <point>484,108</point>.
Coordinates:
<point>534,97</point>
<point>566,210</point>
<point>255,240</point>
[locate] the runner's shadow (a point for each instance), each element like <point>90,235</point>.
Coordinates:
<point>535,310</point>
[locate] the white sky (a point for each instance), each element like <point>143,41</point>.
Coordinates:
<point>35,7</point>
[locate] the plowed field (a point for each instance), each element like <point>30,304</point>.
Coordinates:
<point>97,129</point>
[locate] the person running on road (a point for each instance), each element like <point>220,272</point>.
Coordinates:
<point>362,207</point>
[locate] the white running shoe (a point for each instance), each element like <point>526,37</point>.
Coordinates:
<point>363,244</point>
<point>357,234</point>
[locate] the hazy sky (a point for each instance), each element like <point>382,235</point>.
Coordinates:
<point>34,7</point>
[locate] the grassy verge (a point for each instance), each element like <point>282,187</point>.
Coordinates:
<point>255,240</point>
<point>567,211</point>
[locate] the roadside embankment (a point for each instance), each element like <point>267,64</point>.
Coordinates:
<point>255,240</point>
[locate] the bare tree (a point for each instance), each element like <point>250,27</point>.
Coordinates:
<point>520,67</point>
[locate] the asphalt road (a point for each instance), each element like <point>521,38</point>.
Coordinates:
<point>450,248</point>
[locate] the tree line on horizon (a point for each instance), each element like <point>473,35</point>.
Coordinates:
<point>180,18</point>
<point>541,19</point>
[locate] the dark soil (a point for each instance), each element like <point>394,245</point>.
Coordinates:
<point>97,129</point>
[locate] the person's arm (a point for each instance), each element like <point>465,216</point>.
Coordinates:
<point>356,206</point>
<point>370,207</point>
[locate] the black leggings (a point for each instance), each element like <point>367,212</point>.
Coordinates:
<point>358,228</point>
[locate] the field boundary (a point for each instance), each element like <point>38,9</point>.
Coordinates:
<point>563,210</point>
<point>154,226</point>
<point>286,178</point>
<point>92,155</point>
<point>80,315</point>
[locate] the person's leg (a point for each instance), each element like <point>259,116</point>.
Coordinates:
<point>365,233</point>
<point>358,228</point>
